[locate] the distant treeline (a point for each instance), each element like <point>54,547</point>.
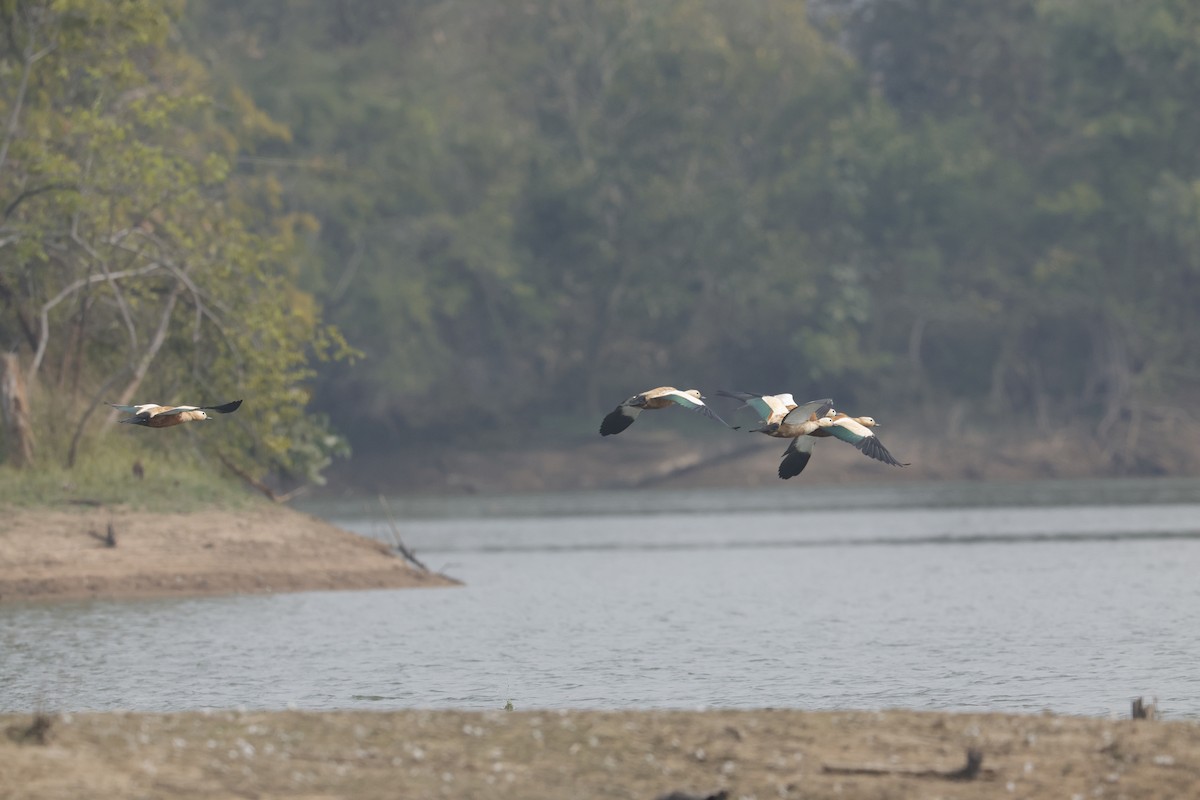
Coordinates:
<point>525,211</point>
<point>553,203</point>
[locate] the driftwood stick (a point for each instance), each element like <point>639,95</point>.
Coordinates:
<point>969,771</point>
<point>399,544</point>
<point>1144,710</point>
<point>109,539</point>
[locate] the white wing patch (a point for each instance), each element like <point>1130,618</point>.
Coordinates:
<point>776,405</point>
<point>854,426</point>
<point>683,399</point>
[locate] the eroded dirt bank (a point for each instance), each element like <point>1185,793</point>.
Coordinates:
<point>60,554</point>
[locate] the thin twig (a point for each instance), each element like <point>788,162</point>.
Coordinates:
<point>400,547</point>
<point>259,485</point>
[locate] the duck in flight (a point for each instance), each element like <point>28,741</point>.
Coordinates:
<point>854,430</point>
<point>799,450</point>
<point>857,431</point>
<point>771,408</point>
<point>805,424</point>
<point>623,415</point>
<point>153,415</point>
<point>800,423</point>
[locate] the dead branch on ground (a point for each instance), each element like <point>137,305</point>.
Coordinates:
<point>969,771</point>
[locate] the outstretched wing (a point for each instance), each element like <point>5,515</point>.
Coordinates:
<point>227,408</point>
<point>693,403</point>
<point>862,437</point>
<point>138,409</point>
<point>796,457</point>
<point>758,402</point>
<point>140,413</point>
<point>619,419</point>
<point>813,409</point>
<point>176,410</point>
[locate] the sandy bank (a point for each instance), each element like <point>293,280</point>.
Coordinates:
<point>50,554</point>
<point>640,754</point>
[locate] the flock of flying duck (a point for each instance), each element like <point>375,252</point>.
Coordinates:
<point>782,417</point>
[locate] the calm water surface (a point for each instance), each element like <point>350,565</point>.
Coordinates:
<point>1073,597</point>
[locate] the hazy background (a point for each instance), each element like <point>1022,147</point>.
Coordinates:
<point>534,209</point>
<point>965,216</point>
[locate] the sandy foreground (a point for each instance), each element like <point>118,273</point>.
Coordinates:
<point>59,554</point>
<point>587,754</point>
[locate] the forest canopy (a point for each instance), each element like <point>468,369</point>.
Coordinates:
<point>989,205</point>
<point>134,261</point>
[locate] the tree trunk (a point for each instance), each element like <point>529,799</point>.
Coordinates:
<point>14,404</point>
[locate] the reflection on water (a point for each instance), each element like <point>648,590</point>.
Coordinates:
<point>1075,607</point>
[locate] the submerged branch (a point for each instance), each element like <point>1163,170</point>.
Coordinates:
<point>400,547</point>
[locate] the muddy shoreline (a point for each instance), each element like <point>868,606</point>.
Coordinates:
<point>53,554</point>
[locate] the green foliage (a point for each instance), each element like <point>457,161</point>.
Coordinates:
<point>176,478</point>
<point>136,264</point>
<point>987,202</point>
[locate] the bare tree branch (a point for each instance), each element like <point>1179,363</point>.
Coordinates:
<point>25,195</point>
<point>14,114</point>
<point>70,289</point>
<point>92,406</point>
<point>156,343</point>
<point>122,304</point>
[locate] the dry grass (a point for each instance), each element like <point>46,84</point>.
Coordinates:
<point>630,754</point>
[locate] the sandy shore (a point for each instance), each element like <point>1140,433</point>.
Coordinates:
<point>52,554</point>
<point>640,754</point>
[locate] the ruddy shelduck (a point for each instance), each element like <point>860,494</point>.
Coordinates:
<point>770,408</point>
<point>801,420</point>
<point>153,415</point>
<point>623,415</point>
<point>805,424</point>
<point>798,423</point>
<point>857,431</point>
<point>799,451</point>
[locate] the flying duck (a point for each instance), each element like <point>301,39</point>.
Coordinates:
<point>153,415</point>
<point>623,415</point>
<point>769,407</point>
<point>800,420</point>
<point>798,423</point>
<point>857,431</point>
<point>799,450</point>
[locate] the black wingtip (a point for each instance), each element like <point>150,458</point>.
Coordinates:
<point>871,446</point>
<point>227,408</point>
<point>743,396</point>
<point>615,422</point>
<point>713,415</point>
<point>793,464</point>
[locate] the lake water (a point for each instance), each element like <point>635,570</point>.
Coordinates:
<point>1072,597</point>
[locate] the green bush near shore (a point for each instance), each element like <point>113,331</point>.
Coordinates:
<point>170,481</point>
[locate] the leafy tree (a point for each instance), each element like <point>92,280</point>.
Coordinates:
<point>557,197</point>
<point>133,262</point>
